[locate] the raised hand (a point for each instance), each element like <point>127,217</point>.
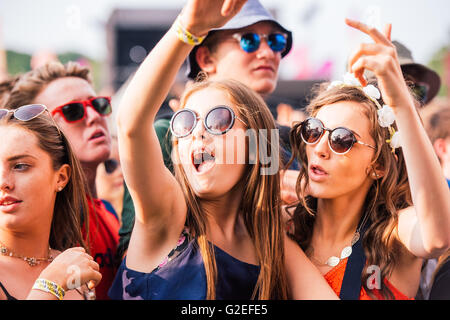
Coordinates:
<point>380,58</point>
<point>200,16</point>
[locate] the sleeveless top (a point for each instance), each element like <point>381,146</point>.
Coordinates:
<point>182,276</point>
<point>8,296</point>
<point>335,276</point>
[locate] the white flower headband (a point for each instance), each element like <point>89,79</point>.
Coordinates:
<point>386,115</point>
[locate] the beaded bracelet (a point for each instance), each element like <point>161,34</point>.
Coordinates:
<point>49,287</point>
<point>185,35</point>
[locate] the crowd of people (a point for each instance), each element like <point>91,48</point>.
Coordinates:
<point>217,199</point>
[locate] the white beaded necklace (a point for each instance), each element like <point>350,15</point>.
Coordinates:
<point>345,253</point>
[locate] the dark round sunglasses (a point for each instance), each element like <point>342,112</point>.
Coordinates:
<point>340,139</point>
<point>217,121</point>
<point>76,110</point>
<point>251,41</point>
<point>111,165</point>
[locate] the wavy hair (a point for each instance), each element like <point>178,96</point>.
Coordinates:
<point>385,197</point>
<point>260,204</point>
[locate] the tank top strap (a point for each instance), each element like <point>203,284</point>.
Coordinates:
<point>8,296</point>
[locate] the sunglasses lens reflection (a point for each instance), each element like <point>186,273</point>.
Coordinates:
<point>102,105</point>
<point>29,112</point>
<point>250,42</point>
<point>182,123</point>
<point>341,140</point>
<point>277,42</point>
<point>219,120</point>
<point>3,113</point>
<point>311,130</point>
<point>73,111</point>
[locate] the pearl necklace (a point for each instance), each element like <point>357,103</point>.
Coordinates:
<point>32,261</point>
<point>333,261</point>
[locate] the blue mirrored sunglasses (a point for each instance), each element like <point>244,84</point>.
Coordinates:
<point>251,41</point>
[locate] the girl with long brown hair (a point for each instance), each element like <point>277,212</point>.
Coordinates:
<point>373,205</point>
<point>42,197</point>
<point>225,198</point>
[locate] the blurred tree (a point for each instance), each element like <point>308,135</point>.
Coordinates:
<point>437,63</point>
<point>17,62</point>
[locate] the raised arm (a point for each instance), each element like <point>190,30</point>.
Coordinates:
<point>158,199</point>
<point>424,228</point>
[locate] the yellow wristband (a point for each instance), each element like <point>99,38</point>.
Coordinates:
<point>185,36</point>
<point>49,287</point>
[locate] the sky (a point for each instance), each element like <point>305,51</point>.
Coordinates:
<point>321,38</point>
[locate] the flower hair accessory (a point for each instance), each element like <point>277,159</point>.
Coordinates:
<point>386,116</point>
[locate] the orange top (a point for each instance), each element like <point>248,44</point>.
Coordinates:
<point>335,276</point>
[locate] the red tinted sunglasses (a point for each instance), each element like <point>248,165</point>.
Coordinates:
<point>76,110</point>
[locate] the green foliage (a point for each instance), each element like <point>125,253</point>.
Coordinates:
<point>20,62</point>
<point>17,62</point>
<point>437,63</point>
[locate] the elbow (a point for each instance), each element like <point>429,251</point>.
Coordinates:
<point>125,128</point>
<point>438,247</point>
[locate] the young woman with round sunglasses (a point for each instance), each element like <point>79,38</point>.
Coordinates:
<point>232,243</point>
<point>67,92</point>
<point>248,48</point>
<point>370,211</point>
<point>42,252</point>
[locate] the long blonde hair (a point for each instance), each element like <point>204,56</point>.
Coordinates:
<point>385,197</point>
<point>260,204</point>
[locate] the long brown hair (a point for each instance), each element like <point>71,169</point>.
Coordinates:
<point>70,203</point>
<point>385,197</point>
<point>260,204</point>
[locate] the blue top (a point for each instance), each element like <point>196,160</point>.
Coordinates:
<point>184,278</point>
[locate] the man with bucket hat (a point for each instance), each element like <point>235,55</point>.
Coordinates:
<point>425,82</point>
<point>244,42</point>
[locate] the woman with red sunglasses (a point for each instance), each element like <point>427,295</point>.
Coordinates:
<point>215,230</point>
<point>373,203</point>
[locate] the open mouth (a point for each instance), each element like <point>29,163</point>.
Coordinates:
<point>318,170</point>
<point>96,135</point>
<point>203,160</point>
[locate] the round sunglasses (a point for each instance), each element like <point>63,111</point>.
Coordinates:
<point>340,139</point>
<point>251,41</point>
<point>76,110</point>
<point>217,121</point>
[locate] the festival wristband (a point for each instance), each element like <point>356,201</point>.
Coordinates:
<point>185,36</point>
<point>49,287</point>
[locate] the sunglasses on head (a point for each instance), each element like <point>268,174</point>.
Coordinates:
<point>76,110</point>
<point>27,113</point>
<point>251,41</point>
<point>111,165</point>
<point>340,139</point>
<point>217,121</point>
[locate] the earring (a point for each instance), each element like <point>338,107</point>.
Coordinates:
<point>60,188</point>
<point>375,175</point>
